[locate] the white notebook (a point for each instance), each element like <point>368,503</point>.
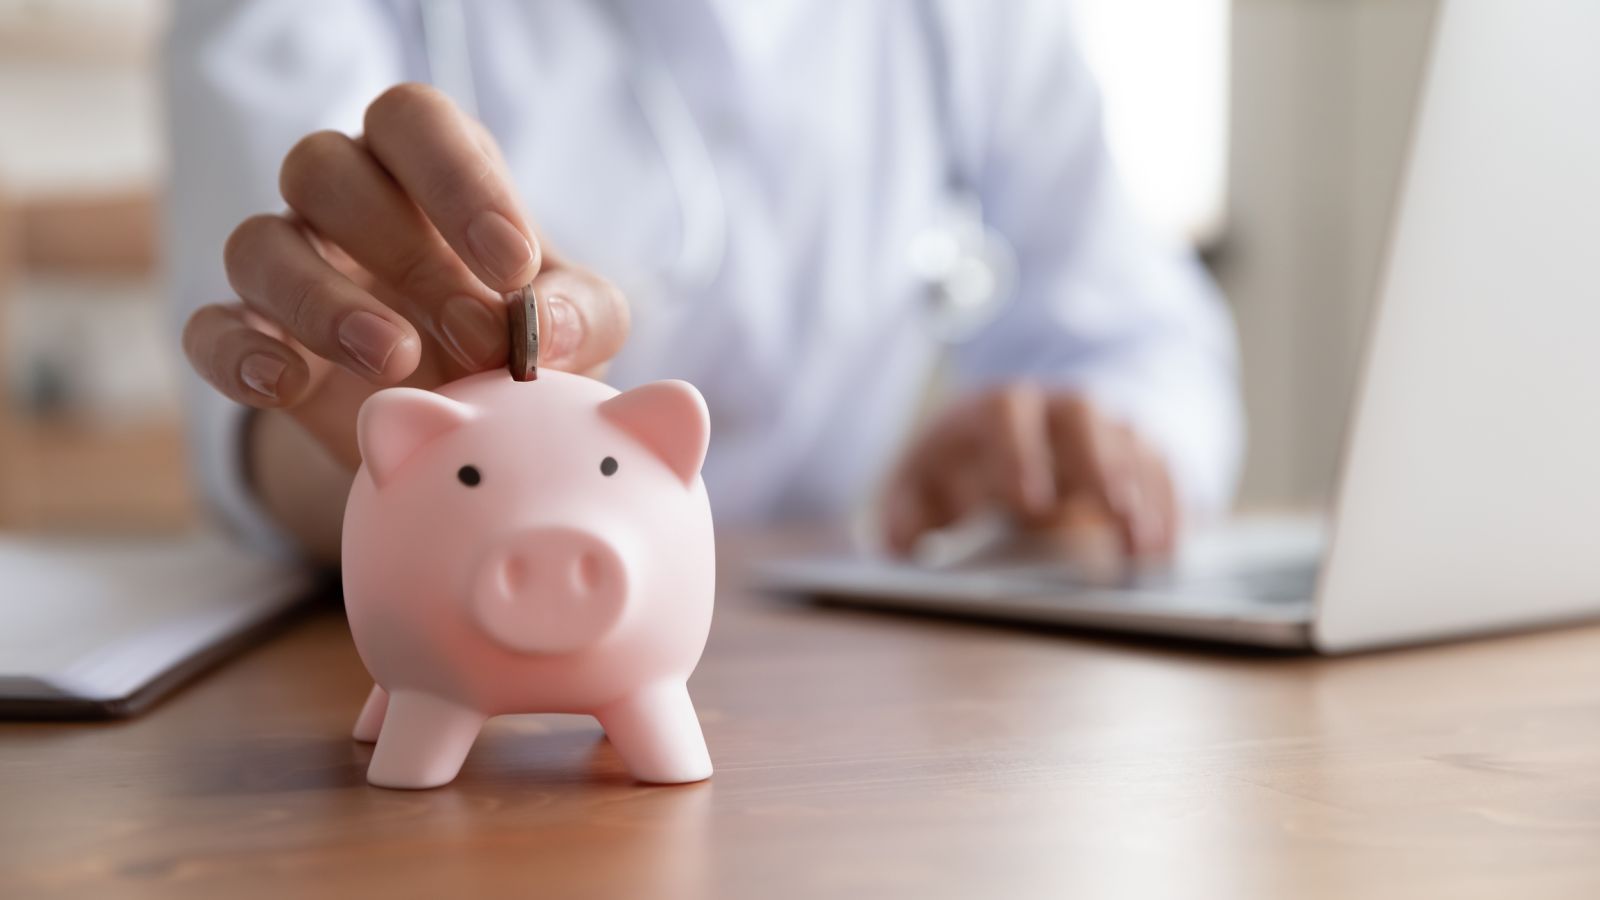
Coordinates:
<point>102,627</point>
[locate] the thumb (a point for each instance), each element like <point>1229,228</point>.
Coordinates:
<point>583,318</point>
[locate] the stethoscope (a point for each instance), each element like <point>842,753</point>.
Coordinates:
<point>967,268</point>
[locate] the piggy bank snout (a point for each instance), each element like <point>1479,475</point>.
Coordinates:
<point>550,590</point>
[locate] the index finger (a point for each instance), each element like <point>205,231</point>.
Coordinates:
<point>433,150</point>
<point>1017,448</point>
<point>1093,460</point>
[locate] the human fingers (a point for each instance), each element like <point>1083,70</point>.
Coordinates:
<point>1157,523</point>
<point>354,205</point>
<point>912,507</point>
<point>450,167</point>
<point>244,364</point>
<point>583,319</point>
<point>1094,462</point>
<point>1013,432</point>
<point>438,156</point>
<point>940,477</point>
<point>280,275</point>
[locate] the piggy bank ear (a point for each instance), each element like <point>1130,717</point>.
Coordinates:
<point>669,418</point>
<point>395,423</point>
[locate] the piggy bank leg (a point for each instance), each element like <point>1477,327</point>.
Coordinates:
<point>424,741</point>
<point>370,722</point>
<point>658,735</point>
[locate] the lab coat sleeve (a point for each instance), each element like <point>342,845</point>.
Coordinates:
<point>244,81</point>
<point>1103,304</point>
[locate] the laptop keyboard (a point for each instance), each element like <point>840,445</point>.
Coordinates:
<point>1293,584</point>
<point>1282,584</point>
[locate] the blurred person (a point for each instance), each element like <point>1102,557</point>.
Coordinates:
<point>713,190</point>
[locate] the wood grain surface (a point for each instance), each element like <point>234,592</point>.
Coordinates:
<point>859,755</point>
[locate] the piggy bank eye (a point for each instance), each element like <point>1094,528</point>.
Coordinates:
<point>608,466</point>
<point>469,476</point>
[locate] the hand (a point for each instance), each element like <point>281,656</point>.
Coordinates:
<point>387,269</point>
<point>1043,457</point>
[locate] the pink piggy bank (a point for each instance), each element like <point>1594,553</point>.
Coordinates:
<point>540,546</point>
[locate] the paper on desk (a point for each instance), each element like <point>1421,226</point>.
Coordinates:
<point>97,620</point>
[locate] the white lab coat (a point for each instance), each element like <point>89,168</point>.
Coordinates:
<point>824,126</point>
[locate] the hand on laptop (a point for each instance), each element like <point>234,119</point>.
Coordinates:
<point>1048,458</point>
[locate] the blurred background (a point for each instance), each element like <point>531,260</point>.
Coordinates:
<point>1268,133</point>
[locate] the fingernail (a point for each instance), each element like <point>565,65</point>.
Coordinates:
<point>566,329</point>
<point>472,333</point>
<point>260,372</point>
<point>369,339</point>
<point>499,246</point>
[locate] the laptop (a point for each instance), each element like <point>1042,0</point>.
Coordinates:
<point>1469,493</point>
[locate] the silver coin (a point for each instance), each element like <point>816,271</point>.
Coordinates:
<point>523,309</point>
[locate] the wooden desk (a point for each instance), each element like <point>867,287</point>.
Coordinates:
<point>861,755</point>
